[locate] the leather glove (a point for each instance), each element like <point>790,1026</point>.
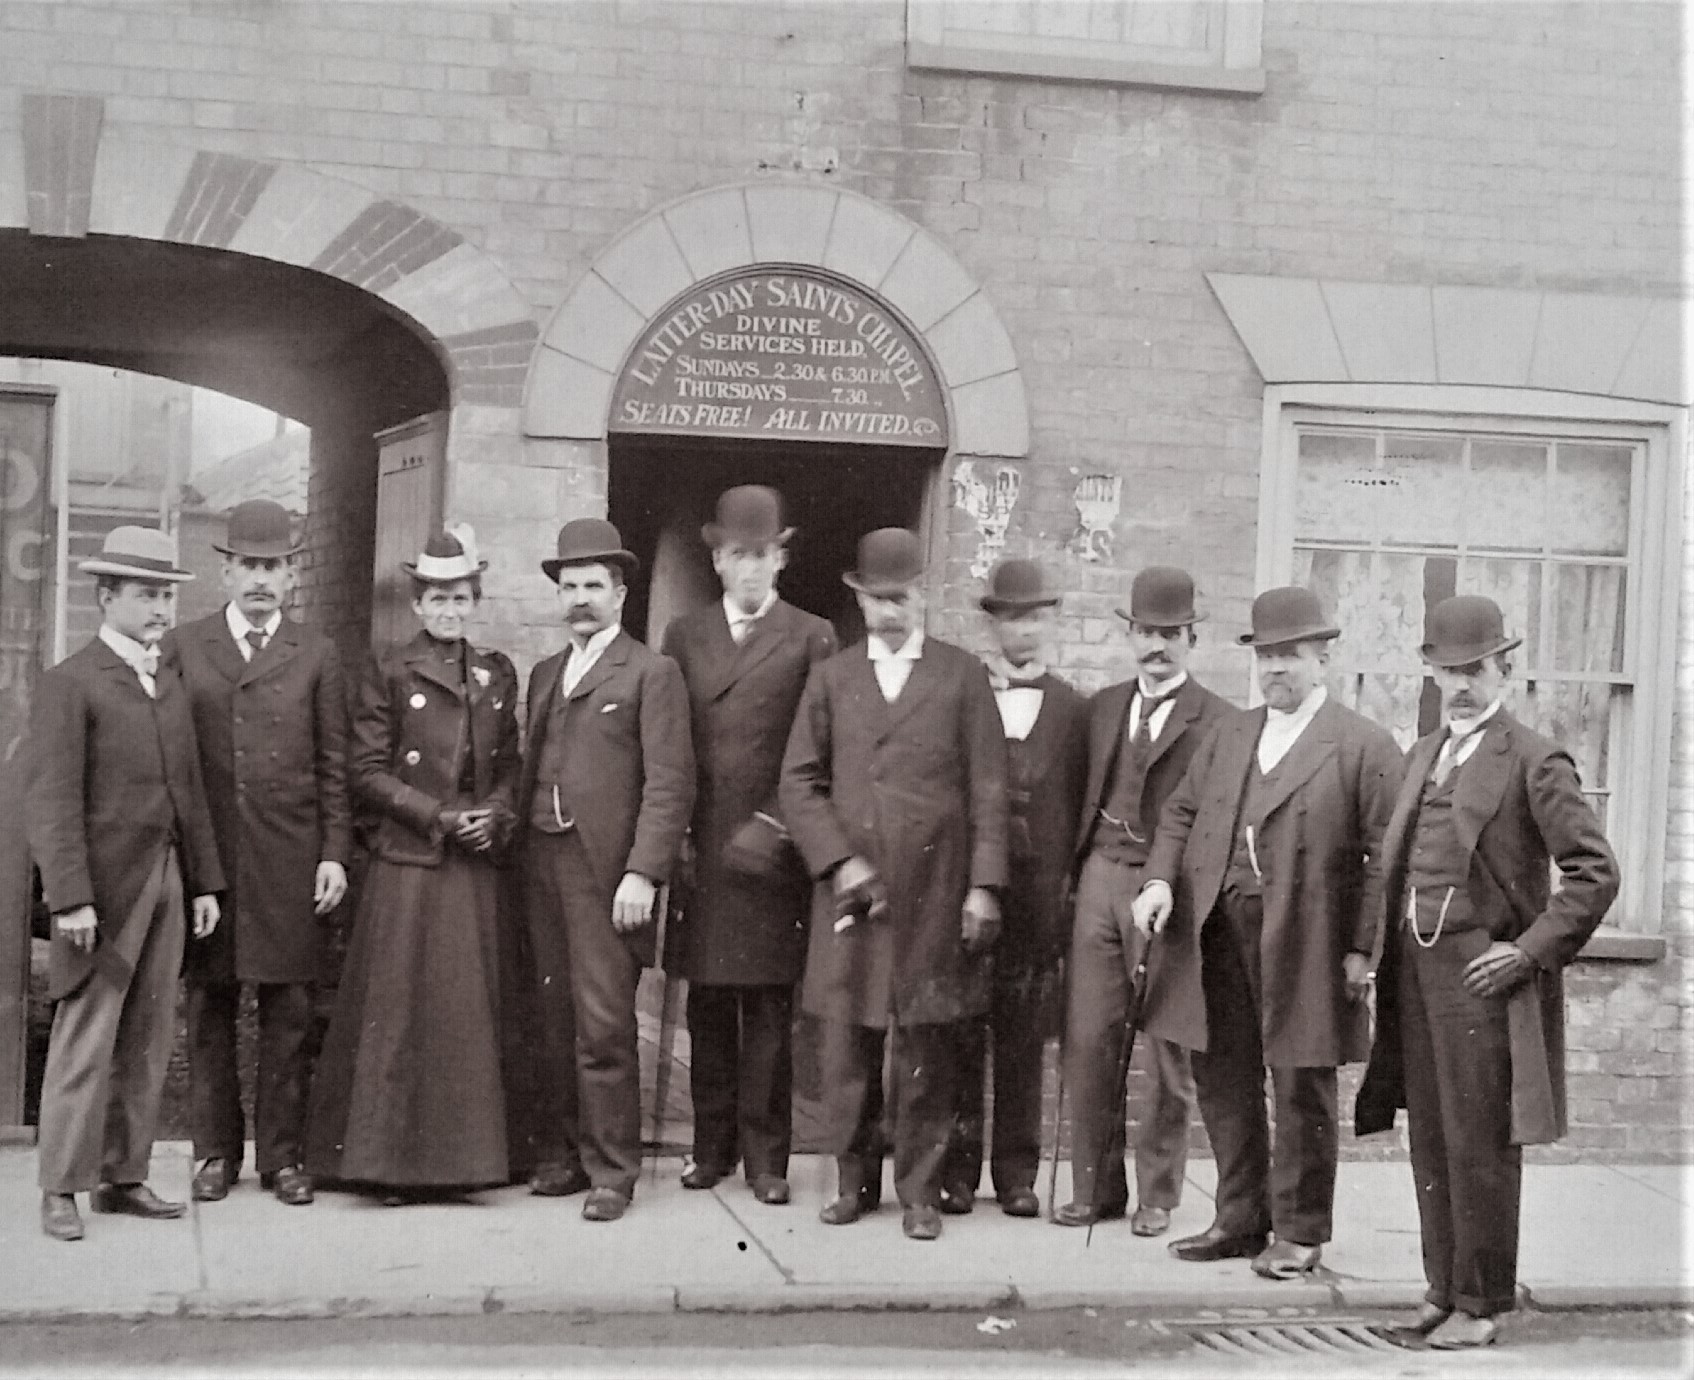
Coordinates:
<point>859,894</point>
<point>980,920</point>
<point>759,848</point>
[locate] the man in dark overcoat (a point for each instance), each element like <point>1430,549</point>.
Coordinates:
<point>1470,1006</point>
<point>741,940</point>
<point>603,802</point>
<point>894,788</point>
<point>1045,723</point>
<point>270,715</point>
<point>1271,848</point>
<point>118,826</point>
<point>1142,734</point>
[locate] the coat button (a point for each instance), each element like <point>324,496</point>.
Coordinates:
<point>418,701</point>
<point>414,756</point>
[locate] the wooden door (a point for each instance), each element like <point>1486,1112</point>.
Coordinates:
<point>411,482</point>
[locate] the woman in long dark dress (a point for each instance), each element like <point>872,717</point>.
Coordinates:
<point>408,1095</point>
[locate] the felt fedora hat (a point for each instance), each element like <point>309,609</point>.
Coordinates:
<point>137,553</point>
<point>1162,596</point>
<point>1290,613</point>
<point>1463,629</point>
<point>1017,587</point>
<point>748,515</point>
<point>448,557</point>
<point>259,529</point>
<point>890,563</point>
<point>586,541</point>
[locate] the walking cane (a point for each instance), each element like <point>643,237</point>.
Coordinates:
<point>1058,1121</point>
<point>667,1027</point>
<point>1131,1020</point>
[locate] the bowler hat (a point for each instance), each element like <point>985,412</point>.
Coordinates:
<point>259,529</point>
<point>1017,587</point>
<point>1465,628</point>
<point>1290,613</point>
<point>587,541</point>
<point>1162,596</point>
<point>749,515</point>
<point>137,553</point>
<point>890,563</point>
<point>448,557</point>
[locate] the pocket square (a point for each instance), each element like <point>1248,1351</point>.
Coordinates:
<point>608,708</point>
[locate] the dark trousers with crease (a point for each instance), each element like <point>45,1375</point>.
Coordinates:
<point>279,1097</point>
<point>921,1089</point>
<point>741,1076</point>
<point>1458,1071</point>
<point>1015,1026</point>
<point>588,1091</point>
<point>1289,1188</point>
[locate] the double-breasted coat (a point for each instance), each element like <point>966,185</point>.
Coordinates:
<point>113,776</point>
<point>1321,853</point>
<point>1516,803</point>
<point>918,789</point>
<point>739,929</point>
<point>273,750</point>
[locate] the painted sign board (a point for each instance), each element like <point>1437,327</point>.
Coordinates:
<point>784,355</point>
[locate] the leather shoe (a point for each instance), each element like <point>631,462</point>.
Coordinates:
<point>1078,1214</point>
<point>921,1223</point>
<point>1461,1332</point>
<point>1150,1221</point>
<point>291,1184</point>
<point>1429,1317</point>
<point>957,1200</point>
<point>1286,1260</point>
<point>842,1210</point>
<point>1020,1202</point>
<point>135,1200</point>
<point>59,1217</point>
<point>699,1175</point>
<point>604,1205</point>
<point>558,1181</point>
<point>214,1179</point>
<point>1213,1244</point>
<point>770,1188</point>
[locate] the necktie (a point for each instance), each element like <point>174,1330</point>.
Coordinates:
<point>740,628</point>
<point>255,639</point>
<point>1448,758</point>
<point>147,662</point>
<point>1143,739</point>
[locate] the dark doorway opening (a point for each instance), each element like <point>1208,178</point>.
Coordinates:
<point>663,489</point>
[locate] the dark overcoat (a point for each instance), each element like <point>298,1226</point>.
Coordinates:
<point>918,789</point>
<point>739,929</point>
<point>112,775</point>
<point>1321,851</point>
<point>273,751</point>
<point>411,742</point>
<point>1516,803</point>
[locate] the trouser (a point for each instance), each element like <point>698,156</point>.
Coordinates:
<point>110,1048</point>
<point>1105,948</point>
<point>1016,1026</point>
<point>1289,1190</point>
<point>589,1072</point>
<point>279,1098</point>
<point>1458,1071</point>
<point>741,1076</point>
<point>920,1088</point>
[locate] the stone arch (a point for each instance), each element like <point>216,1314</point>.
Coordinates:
<point>585,343</point>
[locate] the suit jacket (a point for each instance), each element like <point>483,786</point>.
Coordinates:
<point>1321,850</point>
<point>273,753</point>
<point>412,743</point>
<point>113,779</point>
<point>737,928</point>
<point>1517,803</point>
<point>918,789</point>
<point>629,767</point>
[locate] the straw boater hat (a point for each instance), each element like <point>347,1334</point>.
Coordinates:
<point>1466,628</point>
<point>260,530</point>
<point>749,515</point>
<point>448,557</point>
<point>1161,596</point>
<point>1017,587</point>
<point>890,563</point>
<point>1288,614</point>
<point>138,553</point>
<point>587,541</point>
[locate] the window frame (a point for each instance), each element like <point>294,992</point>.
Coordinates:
<point>1640,780</point>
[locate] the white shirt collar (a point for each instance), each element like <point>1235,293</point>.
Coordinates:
<point>1163,690</point>
<point>1463,728</point>
<point>596,644</point>
<point>733,614</point>
<point>138,656</point>
<point>1302,713</point>
<point>239,627</point>
<point>909,650</point>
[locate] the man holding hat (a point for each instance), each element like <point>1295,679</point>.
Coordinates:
<point>1267,868</point>
<point>741,940</point>
<point>604,800</point>
<point>118,825</point>
<point>894,787</point>
<point>1470,1011</point>
<point>270,716</point>
<point>1142,734</point>
<point>1044,721</point>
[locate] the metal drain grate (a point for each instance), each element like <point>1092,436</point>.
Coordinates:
<point>1310,1337</point>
